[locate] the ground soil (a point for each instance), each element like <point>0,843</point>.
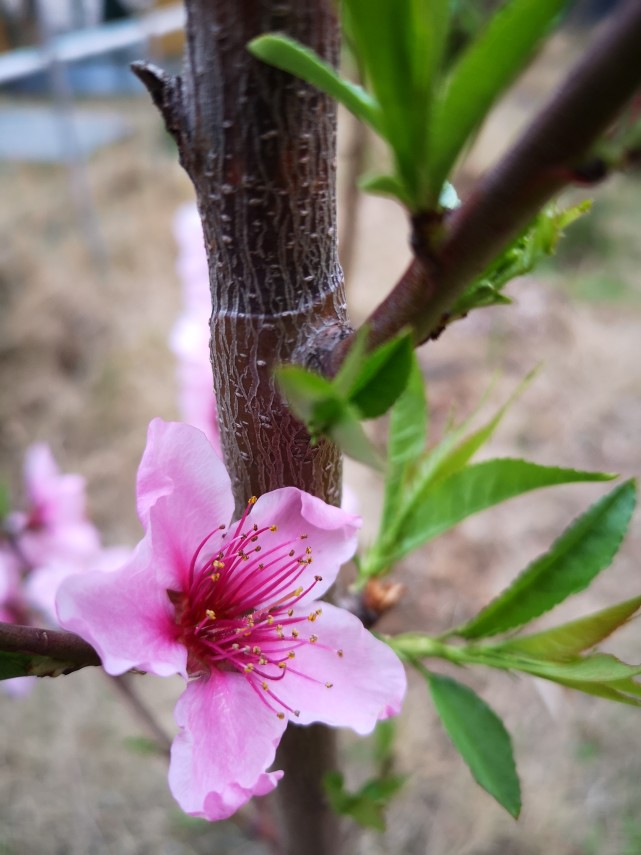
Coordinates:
<point>84,365</point>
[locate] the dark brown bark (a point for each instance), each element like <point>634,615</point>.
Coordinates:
<point>259,147</point>
<point>542,162</point>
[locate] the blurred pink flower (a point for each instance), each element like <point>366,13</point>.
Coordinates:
<point>234,611</point>
<point>55,525</point>
<point>189,338</point>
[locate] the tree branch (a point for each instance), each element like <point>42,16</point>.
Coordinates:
<point>542,162</point>
<point>54,644</point>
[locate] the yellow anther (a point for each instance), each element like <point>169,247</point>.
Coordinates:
<point>248,668</point>
<point>312,617</point>
<point>218,564</point>
<point>319,612</point>
<point>252,501</point>
<point>273,528</point>
<point>340,653</point>
<point>279,627</point>
<point>270,620</point>
<point>290,612</point>
<point>308,551</point>
<point>256,650</point>
<point>215,577</point>
<point>262,661</point>
<point>235,646</point>
<point>295,633</point>
<point>280,715</point>
<point>211,614</point>
<point>265,686</point>
<point>328,685</point>
<point>313,639</point>
<point>282,665</point>
<point>298,592</point>
<point>291,654</point>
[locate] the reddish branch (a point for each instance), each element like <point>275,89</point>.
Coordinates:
<point>545,159</point>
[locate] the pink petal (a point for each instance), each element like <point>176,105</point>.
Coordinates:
<point>368,680</point>
<point>58,498</point>
<point>180,464</point>
<point>126,615</point>
<point>331,532</point>
<point>227,741</point>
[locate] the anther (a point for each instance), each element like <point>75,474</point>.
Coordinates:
<point>313,639</point>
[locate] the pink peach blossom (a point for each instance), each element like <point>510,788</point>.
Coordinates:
<point>234,610</point>
<point>55,524</point>
<point>189,338</point>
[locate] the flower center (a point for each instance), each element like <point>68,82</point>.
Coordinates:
<point>237,613</point>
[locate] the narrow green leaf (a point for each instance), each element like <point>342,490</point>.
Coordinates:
<point>475,488</point>
<point>575,559</point>
<point>571,639</point>
<point>483,72</point>
<point>595,668</point>
<point>472,443</point>
<point>608,691</point>
<point>480,737</point>
<point>408,419</point>
<point>293,57</point>
<point>400,48</point>
<point>382,377</point>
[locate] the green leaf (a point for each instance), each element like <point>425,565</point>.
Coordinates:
<point>481,75</point>
<point>5,504</point>
<point>352,365</point>
<point>400,47</point>
<point>293,57</point>
<point>303,390</point>
<point>439,507</point>
<point>382,377</point>
<point>576,558</point>
<point>465,450</point>
<point>367,805</point>
<point>571,639</point>
<point>349,435</point>
<point>480,737</point>
<point>595,668</point>
<point>539,240</point>
<point>32,665</point>
<point>408,419</point>
<point>385,185</point>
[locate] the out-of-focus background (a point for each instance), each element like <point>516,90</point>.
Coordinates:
<point>88,296</point>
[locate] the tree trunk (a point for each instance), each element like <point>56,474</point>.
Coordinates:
<point>260,149</point>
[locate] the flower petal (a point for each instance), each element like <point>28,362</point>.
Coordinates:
<point>126,615</point>
<point>179,463</point>
<point>227,741</point>
<point>368,679</point>
<point>330,532</point>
